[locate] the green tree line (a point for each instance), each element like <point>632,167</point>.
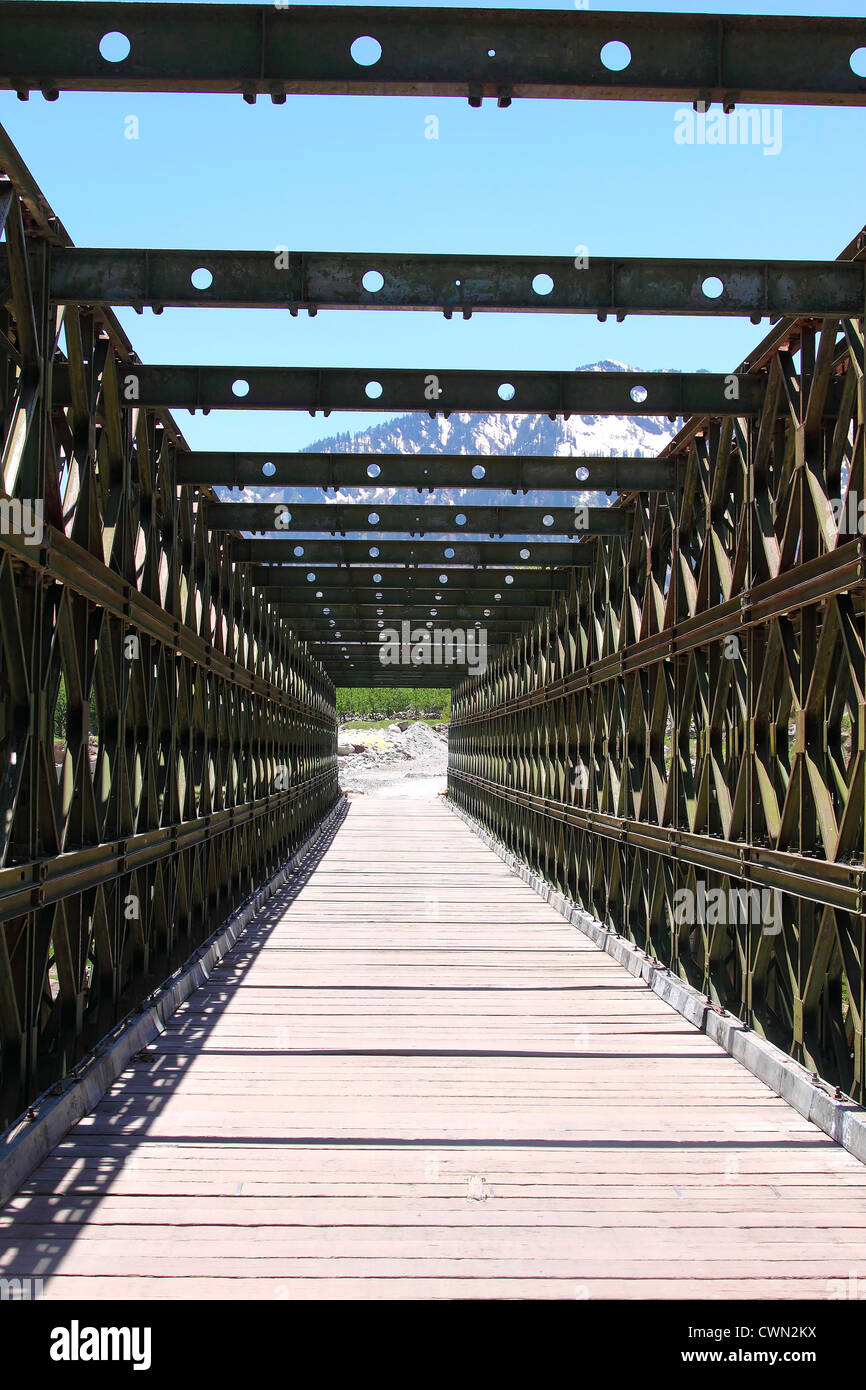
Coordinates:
<point>385,703</point>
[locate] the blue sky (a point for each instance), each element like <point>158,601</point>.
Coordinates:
<point>355,173</point>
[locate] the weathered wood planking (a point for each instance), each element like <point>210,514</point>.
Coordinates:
<point>413,1079</point>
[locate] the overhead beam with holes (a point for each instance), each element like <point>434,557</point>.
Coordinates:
<point>339,518</point>
<point>278,49</point>
<point>435,390</point>
<point>349,676</point>
<point>368,629</point>
<point>425,472</point>
<point>410,607</point>
<point>428,553</point>
<point>513,600</point>
<point>502,615</point>
<point>542,584</point>
<point>367,650</point>
<point>456,284</point>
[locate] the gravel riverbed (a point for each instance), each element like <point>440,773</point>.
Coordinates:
<point>393,762</point>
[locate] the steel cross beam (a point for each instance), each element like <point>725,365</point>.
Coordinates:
<point>413,608</point>
<point>425,472</point>
<point>285,583</point>
<point>273,50</point>
<point>350,676</point>
<point>464,284</point>
<point>674,394</point>
<point>338,518</point>
<point>354,629</point>
<point>432,553</point>
<point>424,604</point>
<point>367,648</point>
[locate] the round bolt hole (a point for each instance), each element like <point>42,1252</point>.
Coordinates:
<point>479,471</point>
<point>298,551</point>
<point>373,470</point>
<point>269,469</point>
<point>373,390</point>
<point>114,46</point>
<point>366,51</point>
<point>524,554</point>
<point>373,281</point>
<point>373,552</point>
<point>712,287</point>
<point>311,578</point>
<point>201,279</point>
<point>638,394</point>
<point>506,391</point>
<point>547,519</point>
<point>460,519</point>
<point>581,474</point>
<point>240,387</point>
<point>373,518</point>
<point>858,62</point>
<point>543,284</point>
<point>615,55</point>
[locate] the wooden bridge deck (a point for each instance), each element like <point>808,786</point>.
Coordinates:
<point>412,1078</point>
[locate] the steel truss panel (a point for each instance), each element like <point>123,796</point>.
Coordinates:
<point>679,743</point>
<point>456,284</point>
<point>272,50</point>
<point>434,390</point>
<point>426,474</point>
<point>166,741</point>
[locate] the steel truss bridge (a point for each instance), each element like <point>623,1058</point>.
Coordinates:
<point>677,690</point>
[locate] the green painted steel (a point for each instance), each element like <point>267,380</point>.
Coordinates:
<point>166,739</point>
<point>679,743</point>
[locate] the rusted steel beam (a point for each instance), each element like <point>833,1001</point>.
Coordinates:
<point>433,555</point>
<point>295,280</point>
<point>425,472</point>
<point>433,390</point>
<point>340,518</point>
<point>278,49</point>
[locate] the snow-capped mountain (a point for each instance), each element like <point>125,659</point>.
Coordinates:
<point>487,436</point>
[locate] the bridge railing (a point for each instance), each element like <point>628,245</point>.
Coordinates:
<point>678,745</point>
<point>165,740</point>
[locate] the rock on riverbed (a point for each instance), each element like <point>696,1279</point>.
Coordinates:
<point>378,760</point>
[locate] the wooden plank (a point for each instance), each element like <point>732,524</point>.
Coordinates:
<point>413,1079</point>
